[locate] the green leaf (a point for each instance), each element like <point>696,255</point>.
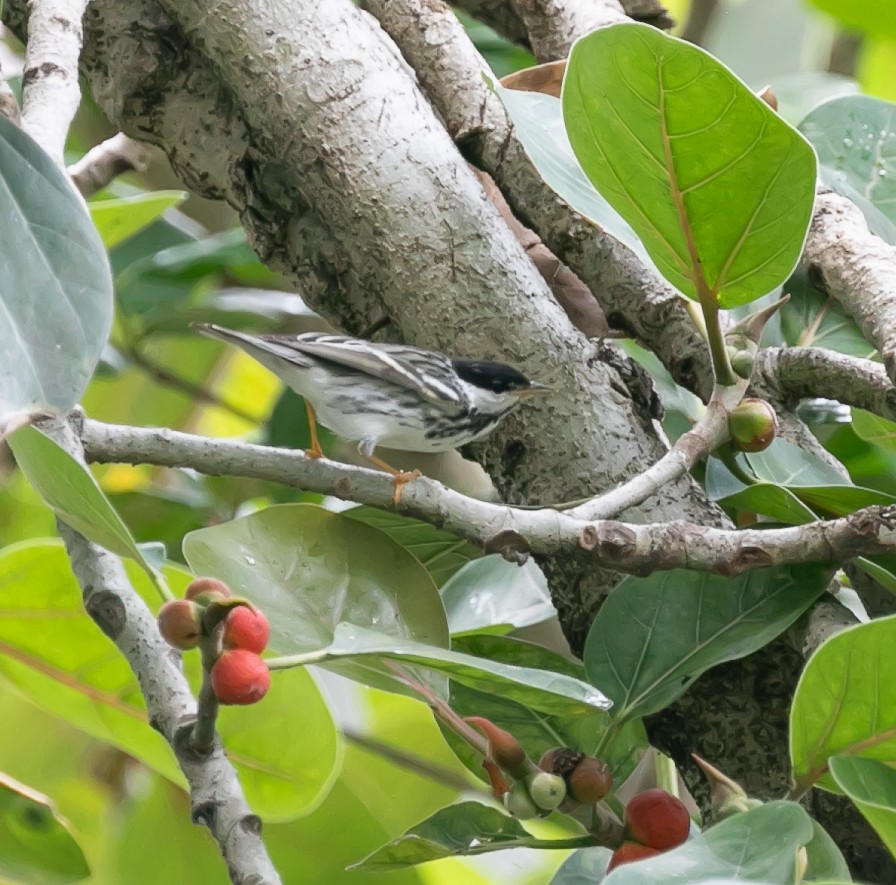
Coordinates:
<point>844,704</point>
<point>874,429</point>
<point>56,287</point>
<point>872,787</point>
<point>654,636</point>
<point>465,828</point>
<point>310,570</point>
<point>539,126</point>
<point>440,552</point>
<point>824,858</point>
<point>583,867</point>
<point>717,186</point>
<point>758,846</point>
<point>70,489</point>
<point>122,217</point>
<point>799,93</point>
<point>855,141</point>
<point>36,844</point>
<point>542,690</point>
<point>786,464</point>
<point>535,730</point>
<point>285,748</point>
<point>489,592</point>
<point>871,16</point>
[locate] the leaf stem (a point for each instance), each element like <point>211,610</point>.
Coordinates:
<point>721,365</point>
<point>288,661</point>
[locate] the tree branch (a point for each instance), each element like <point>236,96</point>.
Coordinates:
<point>216,797</point>
<point>105,162</point>
<point>796,373</point>
<point>51,93</point>
<point>632,297</point>
<point>857,268</point>
<point>554,25</point>
<point>637,549</point>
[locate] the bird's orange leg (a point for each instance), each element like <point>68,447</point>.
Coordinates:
<point>315,451</point>
<point>400,478</point>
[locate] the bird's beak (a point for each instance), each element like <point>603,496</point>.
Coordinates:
<point>534,389</point>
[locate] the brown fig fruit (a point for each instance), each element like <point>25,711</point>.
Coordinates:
<point>658,819</point>
<point>180,623</point>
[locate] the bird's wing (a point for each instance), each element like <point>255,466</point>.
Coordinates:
<point>429,374</point>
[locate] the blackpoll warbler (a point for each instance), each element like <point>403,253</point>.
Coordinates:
<point>388,394</point>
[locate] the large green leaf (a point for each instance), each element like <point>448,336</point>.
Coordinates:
<point>844,703</point>
<point>310,569</point>
<point>285,748</point>
<point>441,552</point>
<point>544,690</point>
<point>719,188</point>
<point>874,429</point>
<point>855,141</point>
<point>872,787</point>
<point>465,828</point>
<point>121,217</point>
<point>654,636</point>
<point>583,867</point>
<point>55,286</point>
<point>759,846</point>
<point>824,860</point>
<point>490,592</point>
<point>70,489</point>
<point>875,18</point>
<point>539,126</point>
<point>36,845</point>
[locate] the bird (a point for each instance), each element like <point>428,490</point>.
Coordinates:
<point>393,395</point>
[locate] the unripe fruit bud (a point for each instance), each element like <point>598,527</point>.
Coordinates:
<point>503,747</point>
<point>246,628</point>
<point>180,623</point>
<point>588,779</point>
<point>753,425</point>
<point>518,803</point>
<point>204,591</point>
<point>547,791</point>
<point>240,677</point>
<point>628,852</point>
<point>658,819</point>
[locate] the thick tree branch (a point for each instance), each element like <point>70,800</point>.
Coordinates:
<point>857,268</point>
<point>795,373</point>
<point>105,162</point>
<point>51,93</point>
<point>554,25</point>
<point>216,797</point>
<point>632,297</point>
<point>638,549</point>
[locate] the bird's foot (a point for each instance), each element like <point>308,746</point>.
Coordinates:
<point>400,479</point>
<point>314,453</point>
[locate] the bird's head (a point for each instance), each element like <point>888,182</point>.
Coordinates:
<point>498,382</point>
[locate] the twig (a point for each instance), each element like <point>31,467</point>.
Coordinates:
<point>216,798</point>
<point>796,373</point>
<point>637,549</point>
<point>694,445</point>
<point>857,268</point>
<point>51,93</point>
<point>105,162</point>
<point>203,735</point>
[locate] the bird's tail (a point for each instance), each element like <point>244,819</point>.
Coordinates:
<point>271,354</point>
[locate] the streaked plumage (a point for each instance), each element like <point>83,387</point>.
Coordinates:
<point>389,394</point>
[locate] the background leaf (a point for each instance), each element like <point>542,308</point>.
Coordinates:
<point>870,16</point>
<point>691,158</point>
<point>654,636</point>
<point>36,845</point>
<point>56,288</point>
<point>843,702</point>
<point>872,787</point>
<point>583,867</point>
<point>856,146</point>
<point>121,217</point>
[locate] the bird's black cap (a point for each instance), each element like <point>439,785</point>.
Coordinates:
<point>496,377</point>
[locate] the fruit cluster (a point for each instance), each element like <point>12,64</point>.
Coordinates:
<point>655,821</point>
<point>232,632</point>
